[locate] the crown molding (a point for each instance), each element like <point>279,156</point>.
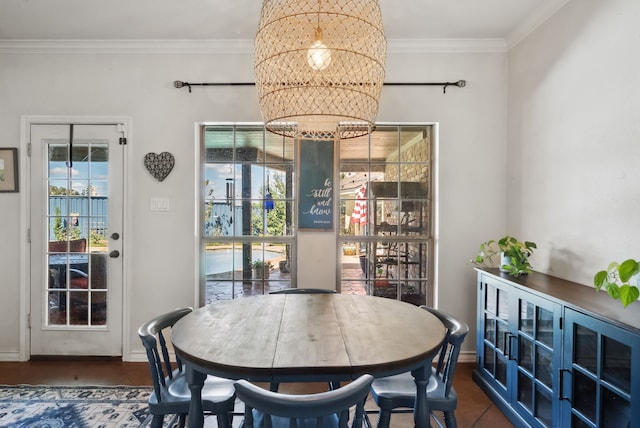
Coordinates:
<point>533,21</point>
<point>126,46</point>
<point>445,45</point>
<point>236,46</point>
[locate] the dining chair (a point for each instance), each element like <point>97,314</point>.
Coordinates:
<point>304,291</point>
<point>330,409</point>
<point>71,246</point>
<point>398,392</point>
<point>333,384</point>
<point>171,394</point>
<point>79,280</point>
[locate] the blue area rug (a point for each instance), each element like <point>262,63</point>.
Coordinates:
<point>27,406</point>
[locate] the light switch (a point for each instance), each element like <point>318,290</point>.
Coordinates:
<point>159,204</point>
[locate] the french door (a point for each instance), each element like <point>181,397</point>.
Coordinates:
<point>76,175</point>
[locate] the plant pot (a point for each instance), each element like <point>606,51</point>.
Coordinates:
<point>349,250</point>
<point>364,264</point>
<point>284,266</point>
<point>381,282</point>
<point>504,260</point>
<point>261,273</point>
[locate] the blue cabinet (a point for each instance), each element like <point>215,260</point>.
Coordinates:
<point>547,361</point>
<point>518,347</point>
<point>601,374</point>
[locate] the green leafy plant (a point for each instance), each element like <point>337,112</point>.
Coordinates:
<point>62,232</point>
<point>261,264</point>
<point>516,255</point>
<point>615,280</point>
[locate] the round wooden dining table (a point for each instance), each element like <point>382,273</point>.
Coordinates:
<point>305,338</point>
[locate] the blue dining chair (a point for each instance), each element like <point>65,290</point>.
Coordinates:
<point>171,394</point>
<point>330,409</point>
<point>334,384</point>
<point>399,391</point>
<point>304,291</point>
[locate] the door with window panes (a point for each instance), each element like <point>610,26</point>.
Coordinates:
<point>76,238</point>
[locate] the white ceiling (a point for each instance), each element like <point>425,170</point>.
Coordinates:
<point>507,20</point>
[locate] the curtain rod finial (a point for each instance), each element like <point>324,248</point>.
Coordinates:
<point>179,84</point>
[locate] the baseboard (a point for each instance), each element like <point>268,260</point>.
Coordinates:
<point>467,357</point>
<point>10,356</point>
<point>136,357</point>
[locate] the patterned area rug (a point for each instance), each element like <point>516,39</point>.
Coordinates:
<point>27,406</point>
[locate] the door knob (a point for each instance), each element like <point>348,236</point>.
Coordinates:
<point>115,236</point>
<point>114,254</point>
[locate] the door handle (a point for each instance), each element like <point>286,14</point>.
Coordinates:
<point>511,353</point>
<point>114,254</point>
<point>561,395</point>
<point>115,236</point>
<point>505,343</point>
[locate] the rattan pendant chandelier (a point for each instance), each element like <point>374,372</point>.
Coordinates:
<point>319,67</point>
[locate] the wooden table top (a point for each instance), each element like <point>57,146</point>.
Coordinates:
<point>307,337</point>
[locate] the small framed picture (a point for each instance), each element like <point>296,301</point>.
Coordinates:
<point>8,169</point>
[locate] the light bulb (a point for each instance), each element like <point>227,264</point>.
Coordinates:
<point>318,55</point>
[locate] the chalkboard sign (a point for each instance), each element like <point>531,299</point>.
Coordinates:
<point>315,207</point>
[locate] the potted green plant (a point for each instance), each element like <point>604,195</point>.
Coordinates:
<point>380,281</point>
<point>514,255</point>
<point>615,280</point>
<point>261,269</point>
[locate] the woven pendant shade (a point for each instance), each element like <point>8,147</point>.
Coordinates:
<point>319,67</point>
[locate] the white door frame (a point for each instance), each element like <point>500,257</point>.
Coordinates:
<point>26,121</point>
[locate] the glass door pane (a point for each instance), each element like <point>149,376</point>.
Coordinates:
<point>77,222</point>
<point>247,231</point>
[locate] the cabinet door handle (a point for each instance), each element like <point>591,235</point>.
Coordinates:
<point>561,395</point>
<point>513,336</point>
<point>508,346</point>
<point>505,343</point>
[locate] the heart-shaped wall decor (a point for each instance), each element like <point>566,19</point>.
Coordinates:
<point>159,165</point>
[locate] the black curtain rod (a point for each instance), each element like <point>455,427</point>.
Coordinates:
<point>460,84</point>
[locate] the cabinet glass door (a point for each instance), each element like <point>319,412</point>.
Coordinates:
<point>495,322</point>
<point>600,378</point>
<point>536,337</point>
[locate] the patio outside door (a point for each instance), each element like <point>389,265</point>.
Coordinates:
<point>76,173</point>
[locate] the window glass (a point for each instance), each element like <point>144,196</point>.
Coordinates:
<point>247,215</point>
<point>385,211</point>
<point>384,222</point>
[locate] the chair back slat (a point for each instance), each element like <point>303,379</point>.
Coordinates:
<point>157,363</point>
<point>157,382</point>
<point>443,354</point>
<point>165,355</point>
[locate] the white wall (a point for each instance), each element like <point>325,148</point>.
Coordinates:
<point>574,138</point>
<point>470,158</point>
<point>162,246</point>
